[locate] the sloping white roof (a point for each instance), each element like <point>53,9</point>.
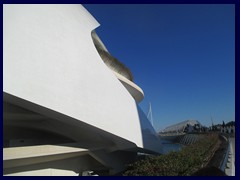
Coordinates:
<point>180,126</point>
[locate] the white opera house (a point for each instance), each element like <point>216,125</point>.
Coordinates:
<point>69,106</point>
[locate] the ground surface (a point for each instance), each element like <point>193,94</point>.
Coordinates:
<point>212,167</point>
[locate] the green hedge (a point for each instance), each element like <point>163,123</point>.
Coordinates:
<point>182,163</point>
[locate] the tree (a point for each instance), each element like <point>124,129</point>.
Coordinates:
<point>223,124</point>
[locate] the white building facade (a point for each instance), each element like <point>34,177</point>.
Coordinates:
<point>65,111</point>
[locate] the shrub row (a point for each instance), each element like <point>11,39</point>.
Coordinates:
<point>182,163</point>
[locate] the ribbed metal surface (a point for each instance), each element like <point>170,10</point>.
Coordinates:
<point>189,139</point>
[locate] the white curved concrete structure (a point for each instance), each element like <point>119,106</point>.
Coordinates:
<point>133,89</point>
<point>58,92</point>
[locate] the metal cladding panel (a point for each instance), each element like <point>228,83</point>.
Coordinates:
<point>49,59</point>
<point>151,140</point>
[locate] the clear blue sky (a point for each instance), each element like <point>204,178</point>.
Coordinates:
<point>182,56</point>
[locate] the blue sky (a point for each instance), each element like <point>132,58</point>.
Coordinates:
<point>182,56</point>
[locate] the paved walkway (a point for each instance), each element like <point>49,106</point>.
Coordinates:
<point>230,170</point>
<point>232,150</point>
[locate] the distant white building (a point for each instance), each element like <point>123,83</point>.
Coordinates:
<point>184,126</point>
<point>67,109</point>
